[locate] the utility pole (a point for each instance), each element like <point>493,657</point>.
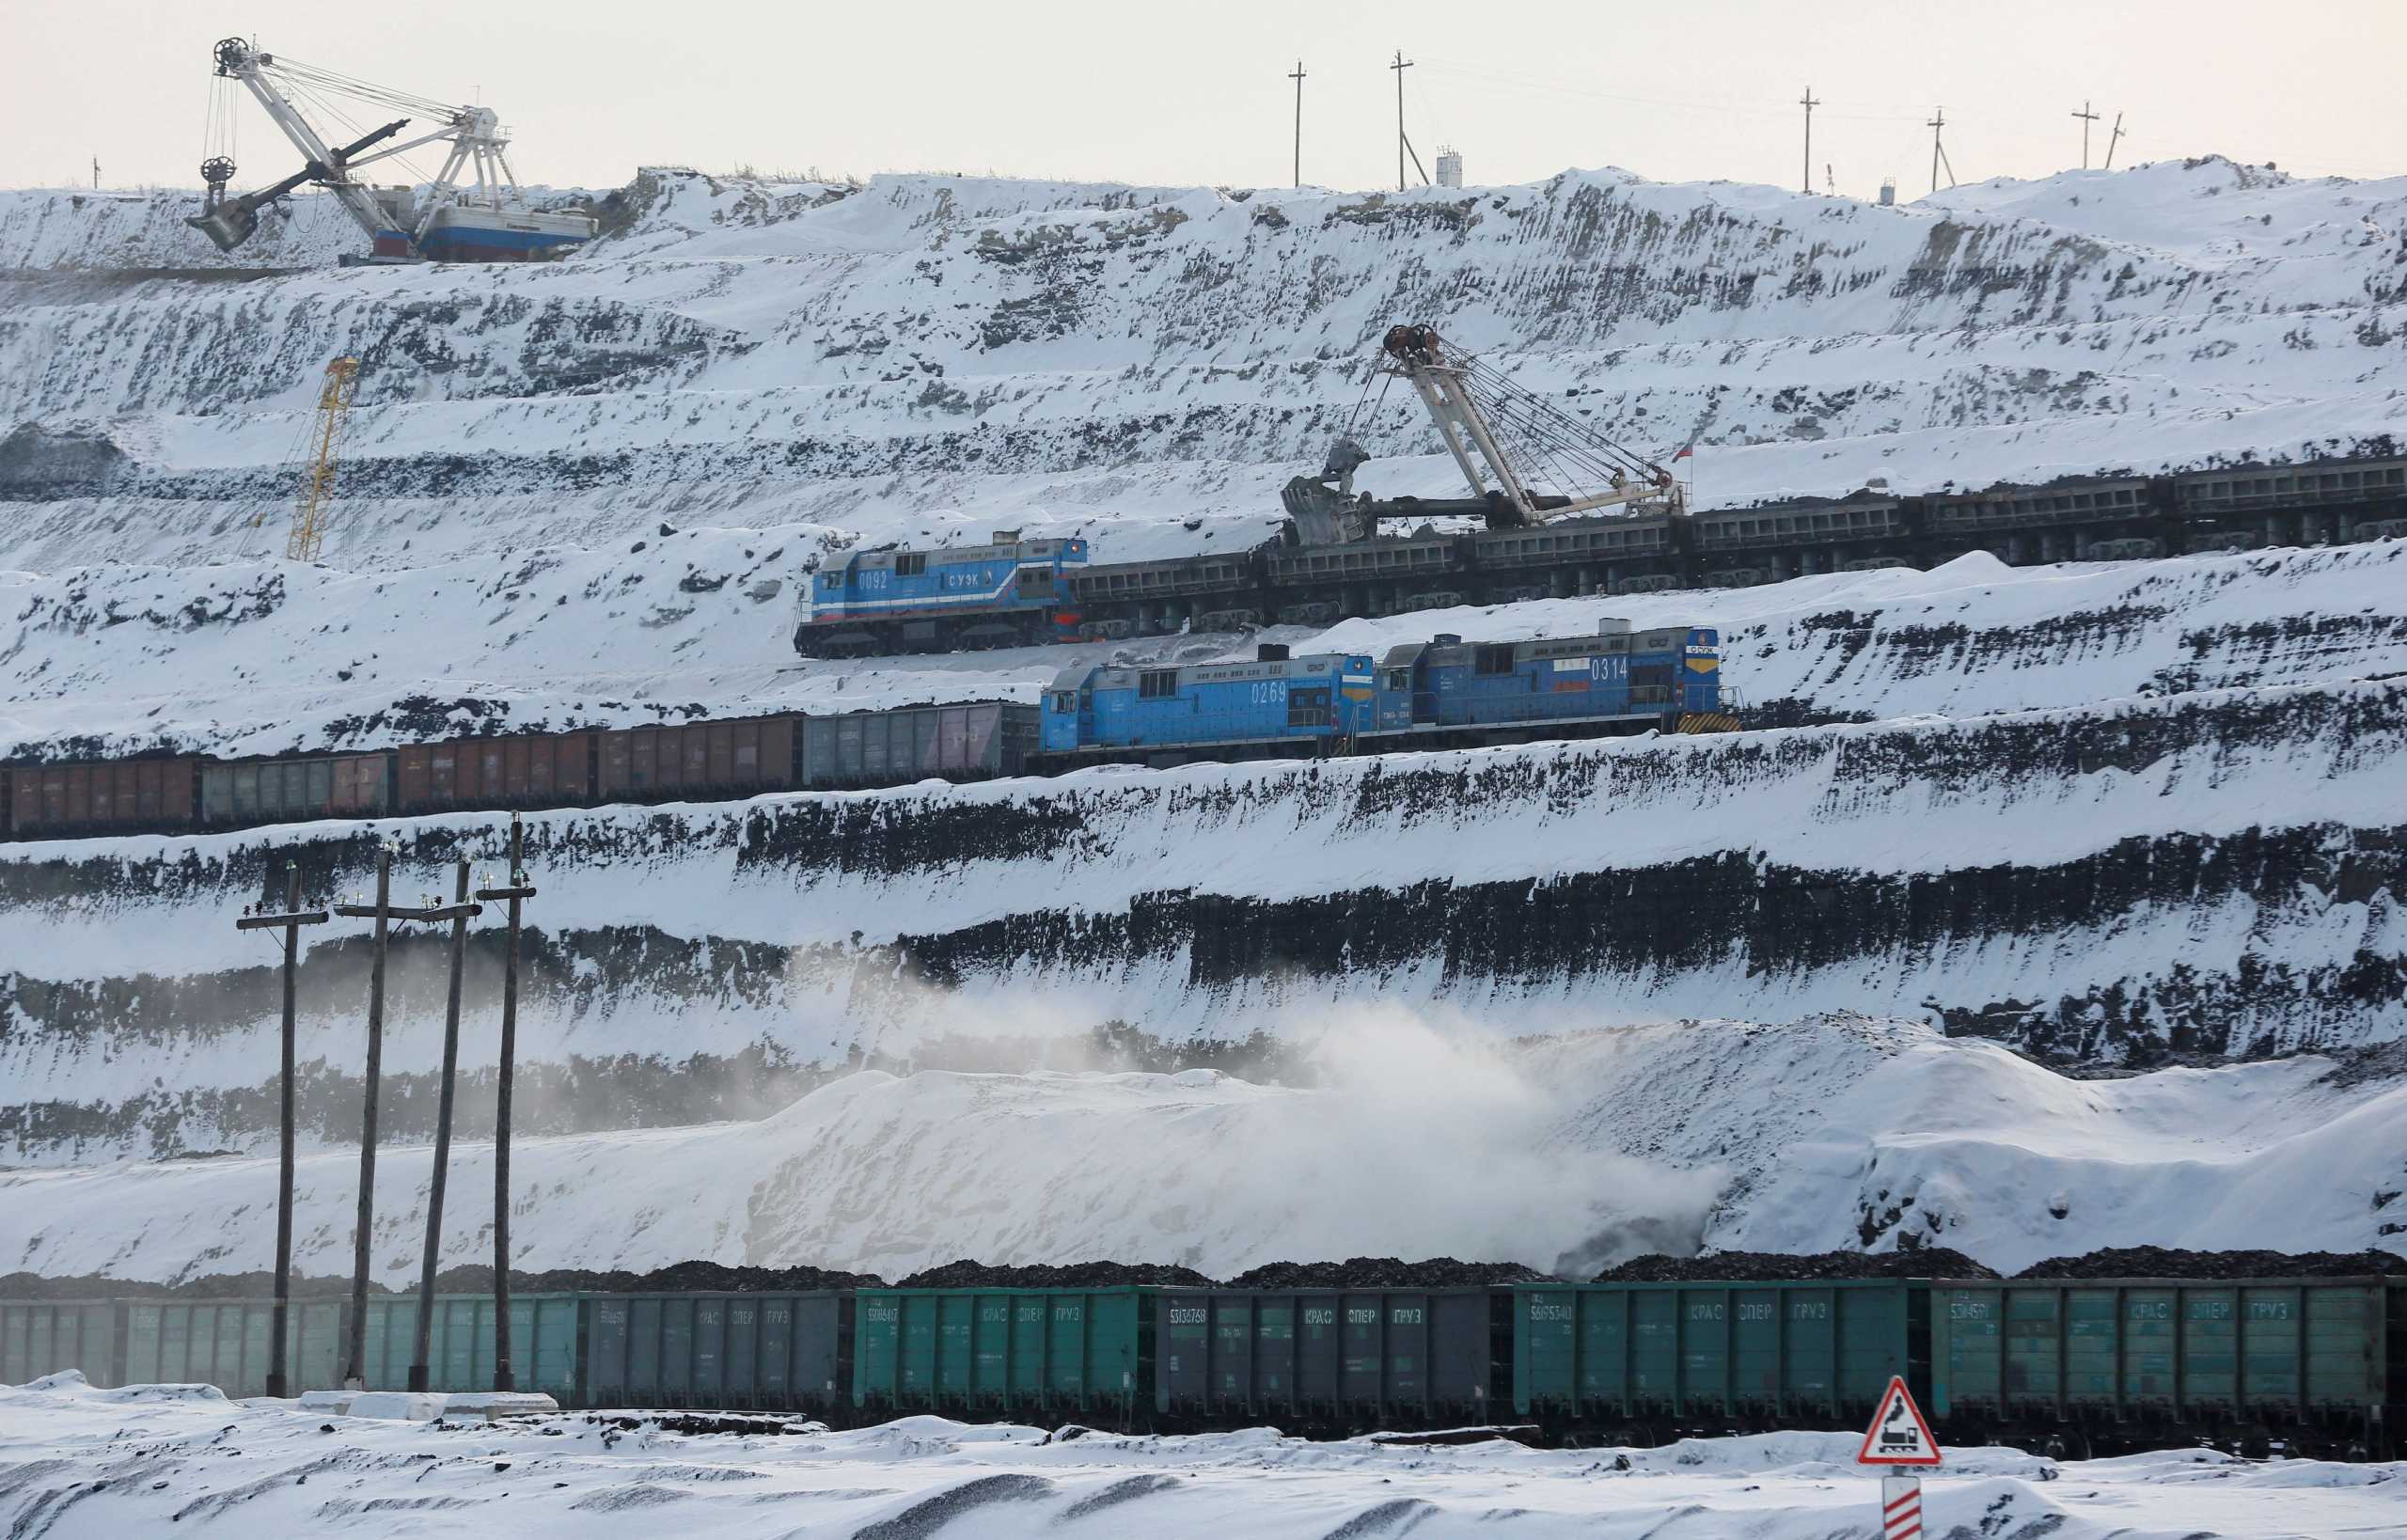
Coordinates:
<point>355,1371</point>
<point>1938,151</point>
<point>290,921</point>
<point>1810,105</point>
<point>2110,141</point>
<point>96,173</point>
<point>457,912</point>
<point>1298,78</point>
<point>2086,117</point>
<point>354,1363</point>
<point>517,892</point>
<point>1400,66</point>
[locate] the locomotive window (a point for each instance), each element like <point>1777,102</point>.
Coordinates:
<point>1399,679</point>
<point>1063,701</point>
<point>910,564</point>
<point>1308,708</point>
<point>1494,660</point>
<point>1157,684</point>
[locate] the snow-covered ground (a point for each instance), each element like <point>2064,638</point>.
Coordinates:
<point>1572,1151</point>
<point>279,658</point>
<point>1159,345</point>
<point>77,1462</point>
<point>777,371</point>
<point>786,369</point>
<point>2102,813</point>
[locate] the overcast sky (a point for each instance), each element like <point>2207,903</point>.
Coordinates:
<point>1197,92</point>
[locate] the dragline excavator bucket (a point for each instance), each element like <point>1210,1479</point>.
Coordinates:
<point>229,225</point>
<point>232,222</point>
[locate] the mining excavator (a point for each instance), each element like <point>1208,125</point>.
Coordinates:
<point>473,209</point>
<point>1505,439</point>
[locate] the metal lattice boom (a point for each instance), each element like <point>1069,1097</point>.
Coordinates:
<point>318,471</point>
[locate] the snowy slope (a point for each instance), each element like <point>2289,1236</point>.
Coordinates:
<point>160,1459</point>
<point>943,355</point>
<point>279,658</point>
<point>2105,815</point>
<point>2212,872</point>
<point>1569,1153</point>
<point>778,371</point>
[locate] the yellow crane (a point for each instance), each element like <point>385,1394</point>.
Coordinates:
<point>317,468</point>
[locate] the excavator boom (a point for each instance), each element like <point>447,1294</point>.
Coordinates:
<point>1496,432</point>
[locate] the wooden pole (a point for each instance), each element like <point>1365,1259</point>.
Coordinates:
<point>290,921</point>
<point>461,910</point>
<point>355,1371</point>
<point>1298,78</point>
<point>504,1377</point>
<point>355,1360</point>
<point>277,1381</point>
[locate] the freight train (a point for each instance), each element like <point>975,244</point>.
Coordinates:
<point>2308,1365</point>
<point>1444,693</point>
<point>2078,519</point>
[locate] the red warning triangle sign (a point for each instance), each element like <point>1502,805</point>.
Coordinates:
<point>1898,1434</point>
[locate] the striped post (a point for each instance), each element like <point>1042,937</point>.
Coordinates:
<point>1901,1508</point>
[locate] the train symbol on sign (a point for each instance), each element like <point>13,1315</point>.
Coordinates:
<point>1898,1434</point>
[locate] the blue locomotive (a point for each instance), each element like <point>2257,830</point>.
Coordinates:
<point>1276,703</point>
<point>1008,593</point>
<point>1616,675</point>
<point>1443,693</point>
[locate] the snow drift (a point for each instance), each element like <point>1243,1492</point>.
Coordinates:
<point>142,1460</point>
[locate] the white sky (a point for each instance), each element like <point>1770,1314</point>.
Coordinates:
<point>1196,93</point>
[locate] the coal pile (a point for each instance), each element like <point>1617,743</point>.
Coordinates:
<point>2163,1262</point>
<point>1386,1273</point>
<point>260,1284</point>
<point>968,1274</point>
<point>1778,1266</point>
<point>677,1277</point>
